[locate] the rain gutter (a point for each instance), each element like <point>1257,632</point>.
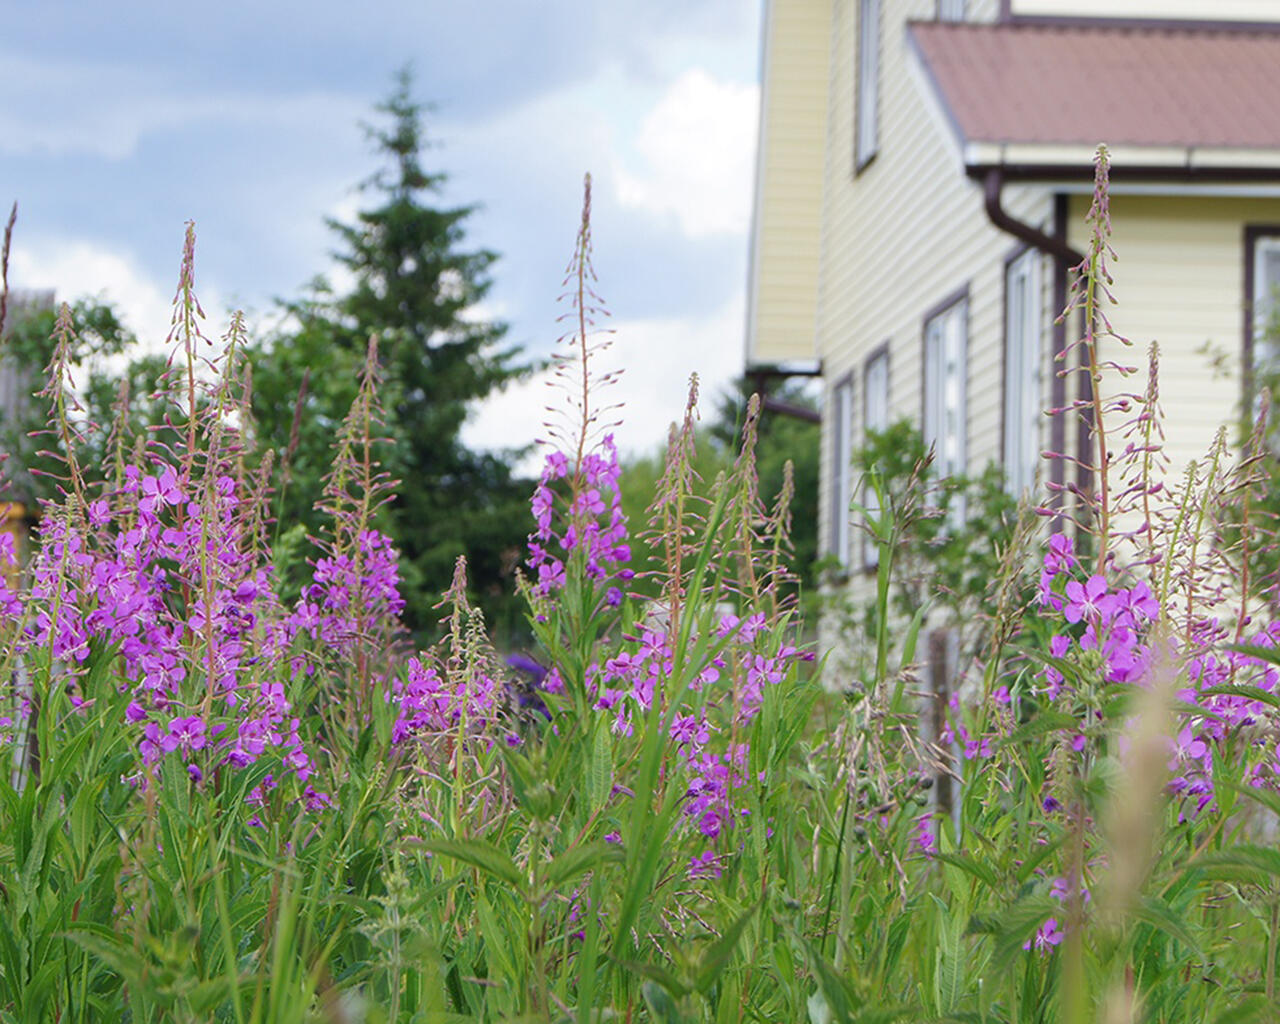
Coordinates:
<point>1064,258</point>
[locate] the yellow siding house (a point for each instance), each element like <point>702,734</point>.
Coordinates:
<point>923,175</point>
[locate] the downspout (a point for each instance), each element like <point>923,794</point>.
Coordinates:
<point>1064,258</point>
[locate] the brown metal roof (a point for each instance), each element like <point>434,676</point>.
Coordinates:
<point>1122,86</point>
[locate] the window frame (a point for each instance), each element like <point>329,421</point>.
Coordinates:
<point>875,358</point>
<point>957,305</point>
<point>1020,466</point>
<point>1255,236</point>
<point>866,120</point>
<point>839,537</point>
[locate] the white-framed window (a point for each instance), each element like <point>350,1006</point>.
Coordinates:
<point>866,129</point>
<point>841,468</point>
<point>951,10</point>
<point>875,417</point>
<point>1023,355</point>
<point>1266,302</point>
<point>945,383</point>
<point>875,409</point>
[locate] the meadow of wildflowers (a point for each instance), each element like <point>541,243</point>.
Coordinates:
<point>221,807</point>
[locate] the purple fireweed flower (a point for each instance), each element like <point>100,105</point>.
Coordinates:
<point>595,523</point>
<point>923,837</point>
<point>1061,554</point>
<point>690,731</point>
<point>1186,746</point>
<point>1138,603</point>
<point>705,865</point>
<point>1047,937</point>
<point>160,490</point>
<point>1045,593</point>
<point>186,734</point>
<point>1058,647</point>
<point>1089,601</point>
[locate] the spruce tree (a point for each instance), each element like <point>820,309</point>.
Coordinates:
<point>413,283</point>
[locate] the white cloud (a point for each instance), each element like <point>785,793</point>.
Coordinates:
<point>656,357</point>
<point>697,150</point>
<point>76,268</point>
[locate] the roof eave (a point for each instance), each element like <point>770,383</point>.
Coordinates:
<point>1039,161</point>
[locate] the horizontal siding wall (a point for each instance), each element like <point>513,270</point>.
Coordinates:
<point>1179,281</point>
<point>906,233</point>
<point>788,207</point>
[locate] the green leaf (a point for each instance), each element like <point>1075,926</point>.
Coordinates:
<point>1268,798</point>
<point>912,638</point>
<point>660,1004</point>
<point>837,1001</point>
<point>600,773</point>
<point>717,955</point>
<point>579,859</point>
<point>656,975</point>
<point>1018,924</point>
<point>479,854</point>
<point>1241,690</point>
<point>1156,912</point>
<point>1044,722</point>
<point>499,939</point>
<point>949,980</point>
<point>889,1014</point>
<point>1271,655</point>
<point>976,868</point>
<point>1246,861</point>
<point>1251,1008</point>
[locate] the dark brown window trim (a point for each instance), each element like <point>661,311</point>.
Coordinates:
<point>961,294</point>
<point>958,296</point>
<point>883,349</point>
<point>862,161</point>
<point>1252,233</point>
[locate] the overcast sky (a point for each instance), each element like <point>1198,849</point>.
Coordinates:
<point>125,120</point>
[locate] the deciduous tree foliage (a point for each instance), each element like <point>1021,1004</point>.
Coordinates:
<point>30,338</point>
<point>414,285</point>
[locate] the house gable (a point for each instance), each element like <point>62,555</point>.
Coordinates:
<point>973,171</point>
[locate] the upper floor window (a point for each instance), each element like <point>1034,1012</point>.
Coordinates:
<point>951,10</point>
<point>866,127</point>
<point>841,468</point>
<point>945,382</point>
<point>1023,331</point>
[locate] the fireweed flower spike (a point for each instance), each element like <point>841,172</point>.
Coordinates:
<point>590,525</point>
